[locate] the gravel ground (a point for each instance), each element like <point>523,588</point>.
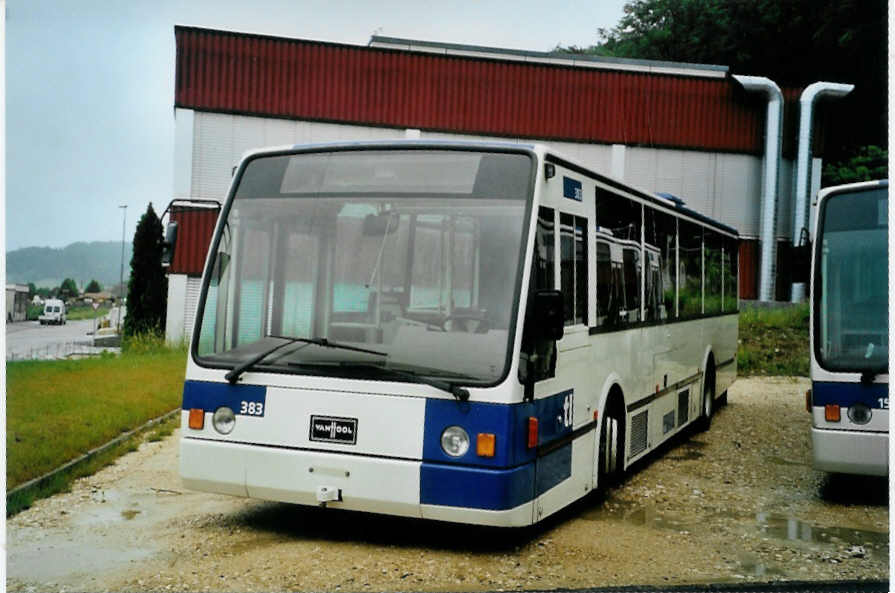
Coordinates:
<point>739,503</point>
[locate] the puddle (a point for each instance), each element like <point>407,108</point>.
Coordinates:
<point>51,559</point>
<point>751,566</point>
<point>791,529</point>
<point>640,516</point>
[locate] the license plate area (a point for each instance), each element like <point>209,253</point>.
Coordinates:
<point>331,429</point>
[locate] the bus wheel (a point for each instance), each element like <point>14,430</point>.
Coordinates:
<point>612,443</point>
<point>708,401</point>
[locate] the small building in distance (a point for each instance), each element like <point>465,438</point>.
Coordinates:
<point>16,302</point>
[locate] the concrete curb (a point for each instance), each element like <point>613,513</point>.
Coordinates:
<point>41,480</point>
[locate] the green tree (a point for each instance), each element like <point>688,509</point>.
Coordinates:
<point>68,289</point>
<point>794,43</point>
<point>869,163</point>
<point>94,286</point>
<point>147,290</point>
<point>32,289</point>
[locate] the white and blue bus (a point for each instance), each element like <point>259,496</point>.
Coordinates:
<point>849,396</point>
<point>469,332</point>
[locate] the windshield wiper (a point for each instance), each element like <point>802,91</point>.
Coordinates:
<point>458,392</point>
<point>233,375</point>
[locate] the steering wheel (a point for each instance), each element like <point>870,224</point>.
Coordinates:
<point>468,322</point>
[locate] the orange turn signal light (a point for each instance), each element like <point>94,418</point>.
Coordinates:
<point>831,412</point>
<point>532,432</point>
<point>485,444</point>
<point>808,401</point>
<point>197,418</point>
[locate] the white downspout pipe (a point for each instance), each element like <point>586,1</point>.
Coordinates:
<point>770,174</point>
<point>812,93</point>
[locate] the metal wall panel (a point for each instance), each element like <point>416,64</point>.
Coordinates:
<point>239,73</point>
<point>748,269</point>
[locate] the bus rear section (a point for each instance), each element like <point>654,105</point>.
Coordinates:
<point>849,398</point>
<point>355,333</point>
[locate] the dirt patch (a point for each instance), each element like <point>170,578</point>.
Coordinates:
<point>738,503</point>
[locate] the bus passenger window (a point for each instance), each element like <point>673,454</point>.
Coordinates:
<point>573,263</point>
<point>543,260</point>
<point>690,255</point>
<point>661,244</point>
<point>730,298</point>
<point>713,272</point>
<point>538,357</point>
<point>605,288</point>
<point>620,219</point>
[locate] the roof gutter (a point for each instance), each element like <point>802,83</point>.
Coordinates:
<point>769,179</point>
<point>801,200</point>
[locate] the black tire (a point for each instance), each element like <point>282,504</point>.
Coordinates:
<point>708,401</point>
<point>722,399</point>
<point>610,466</point>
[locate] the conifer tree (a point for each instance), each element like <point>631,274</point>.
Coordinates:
<point>147,289</point>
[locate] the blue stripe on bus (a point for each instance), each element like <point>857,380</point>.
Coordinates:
<point>847,394</point>
<point>515,474</point>
<point>476,487</point>
<point>508,422</point>
<point>210,396</point>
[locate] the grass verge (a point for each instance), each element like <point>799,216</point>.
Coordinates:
<point>59,410</point>
<point>774,342</point>
<point>85,312</point>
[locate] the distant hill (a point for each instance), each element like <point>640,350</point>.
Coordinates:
<point>48,266</point>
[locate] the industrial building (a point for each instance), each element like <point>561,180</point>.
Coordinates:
<point>16,302</point>
<point>691,130</point>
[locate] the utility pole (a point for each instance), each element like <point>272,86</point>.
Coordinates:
<point>121,272</point>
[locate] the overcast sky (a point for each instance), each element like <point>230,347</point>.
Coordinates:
<point>90,88</point>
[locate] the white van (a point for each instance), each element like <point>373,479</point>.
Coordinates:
<point>54,312</point>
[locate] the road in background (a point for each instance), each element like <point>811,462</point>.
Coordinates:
<point>26,340</point>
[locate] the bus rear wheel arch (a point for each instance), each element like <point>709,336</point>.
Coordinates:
<point>708,396</point>
<point>611,452</point>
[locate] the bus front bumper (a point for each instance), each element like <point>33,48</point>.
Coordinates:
<point>850,451</point>
<point>351,482</point>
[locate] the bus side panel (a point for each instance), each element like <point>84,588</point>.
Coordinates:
<point>723,337</point>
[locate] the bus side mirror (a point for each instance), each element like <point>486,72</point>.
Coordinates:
<point>168,245</point>
<point>547,319</point>
<point>801,263</point>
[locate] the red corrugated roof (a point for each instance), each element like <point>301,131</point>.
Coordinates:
<point>195,228</point>
<point>239,73</point>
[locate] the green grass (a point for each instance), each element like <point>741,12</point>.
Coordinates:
<point>774,342</point>
<point>85,312</point>
<point>59,410</point>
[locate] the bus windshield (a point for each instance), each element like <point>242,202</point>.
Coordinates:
<point>852,283</point>
<point>408,260</point>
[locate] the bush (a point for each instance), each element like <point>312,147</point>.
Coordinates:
<point>774,341</point>
<point>144,343</point>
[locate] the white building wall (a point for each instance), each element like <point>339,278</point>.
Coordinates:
<point>174,317</point>
<point>723,186</point>
<point>183,297</point>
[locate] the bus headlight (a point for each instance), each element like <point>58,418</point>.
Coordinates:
<point>454,441</point>
<point>859,414</point>
<point>223,420</point>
